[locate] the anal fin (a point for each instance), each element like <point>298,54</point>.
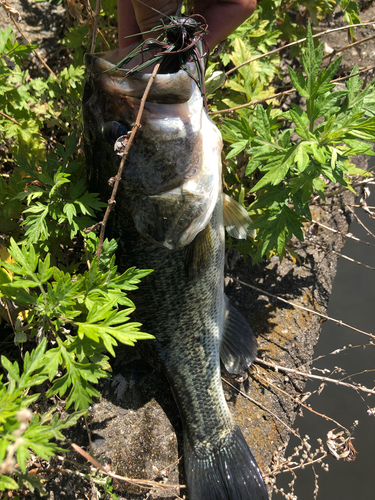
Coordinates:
<point>238,346</point>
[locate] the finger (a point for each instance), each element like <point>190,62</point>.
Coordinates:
<point>149,13</point>
<point>127,23</point>
<point>235,12</point>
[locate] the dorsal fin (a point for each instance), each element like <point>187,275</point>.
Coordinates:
<point>236,219</point>
<point>238,346</point>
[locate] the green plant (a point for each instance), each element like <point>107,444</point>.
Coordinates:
<point>28,105</point>
<point>79,315</point>
<point>21,430</point>
<point>67,309</point>
<point>291,17</point>
<point>297,152</point>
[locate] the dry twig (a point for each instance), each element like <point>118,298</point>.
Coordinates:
<point>359,221</point>
<point>286,92</point>
<point>337,321</point>
<point>137,125</point>
<point>296,43</point>
<point>346,47</point>
<point>311,375</point>
<point>296,433</point>
<point>142,483</point>
<point>297,401</point>
<point>95,25</point>
<point>326,249</point>
<point>344,235</point>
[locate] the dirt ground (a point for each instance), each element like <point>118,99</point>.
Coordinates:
<point>134,428</point>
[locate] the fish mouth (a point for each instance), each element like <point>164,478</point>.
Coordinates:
<point>169,88</point>
<point>167,147</point>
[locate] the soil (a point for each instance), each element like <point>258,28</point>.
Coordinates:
<point>134,428</point>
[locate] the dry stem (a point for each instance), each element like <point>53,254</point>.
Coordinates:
<point>95,25</point>
<point>346,47</point>
<point>296,43</point>
<point>335,192</point>
<point>286,92</point>
<point>311,375</point>
<point>262,407</point>
<point>137,125</point>
<point>360,222</point>
<point>337,321</point>
<point>344,235</point>
<point>266,381</point>
<point>142,483</point>
<point>326,249</point>
<point>13,13</point>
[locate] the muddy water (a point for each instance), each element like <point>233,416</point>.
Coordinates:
<point>353,302</point>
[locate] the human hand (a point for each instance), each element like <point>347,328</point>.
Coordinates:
<point>222,16</point>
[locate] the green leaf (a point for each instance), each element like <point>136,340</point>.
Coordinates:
<point>311,61</point>
<point>273,194</point>
<point>302,158</point>
<point>214,82</point>
<point>320,186</point>
<point>318,152</point>
<point>237,148</point>
<point>70,211</point>
<point>7,483</point>
<point>262,124</point>
<point>12,369</point>
<point>323,84</point>
<point>278,172</point>
<point>301,120</point>
<point>298,82</point>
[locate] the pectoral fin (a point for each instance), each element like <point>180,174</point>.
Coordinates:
<point>236,219</point>
<point>238,346</point>
<point>198,253</point>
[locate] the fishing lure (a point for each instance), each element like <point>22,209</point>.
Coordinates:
<point>179,41</point>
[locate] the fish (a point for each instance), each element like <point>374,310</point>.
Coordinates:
<point>169,216</point>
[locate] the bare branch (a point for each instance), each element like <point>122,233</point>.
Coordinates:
<point>261,406</point>
<point>360,222</point>
<point>15,17</point>
<point>326,249</point>
<point>286,92</point>
<point>344,235</point>
<point>268,382</point>
<point>95,25</point>
<point>316,377</point>
<point>337,321</point>
<point>296,43</point>
<point>142,483</point>
<point>112,200</point>
<point>346,47</point>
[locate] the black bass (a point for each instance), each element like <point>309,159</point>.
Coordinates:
<point>169,217</point>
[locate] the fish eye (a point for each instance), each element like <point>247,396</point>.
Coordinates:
<point>113,130</point>
<point>118,129</point>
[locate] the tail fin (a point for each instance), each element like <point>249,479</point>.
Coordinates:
<point>229,474</point>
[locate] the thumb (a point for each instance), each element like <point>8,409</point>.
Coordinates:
<point>149,13</point>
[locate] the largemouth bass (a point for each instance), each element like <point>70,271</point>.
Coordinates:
<point>169,217</point>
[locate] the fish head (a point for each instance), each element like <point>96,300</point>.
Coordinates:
<point>171,179</point>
